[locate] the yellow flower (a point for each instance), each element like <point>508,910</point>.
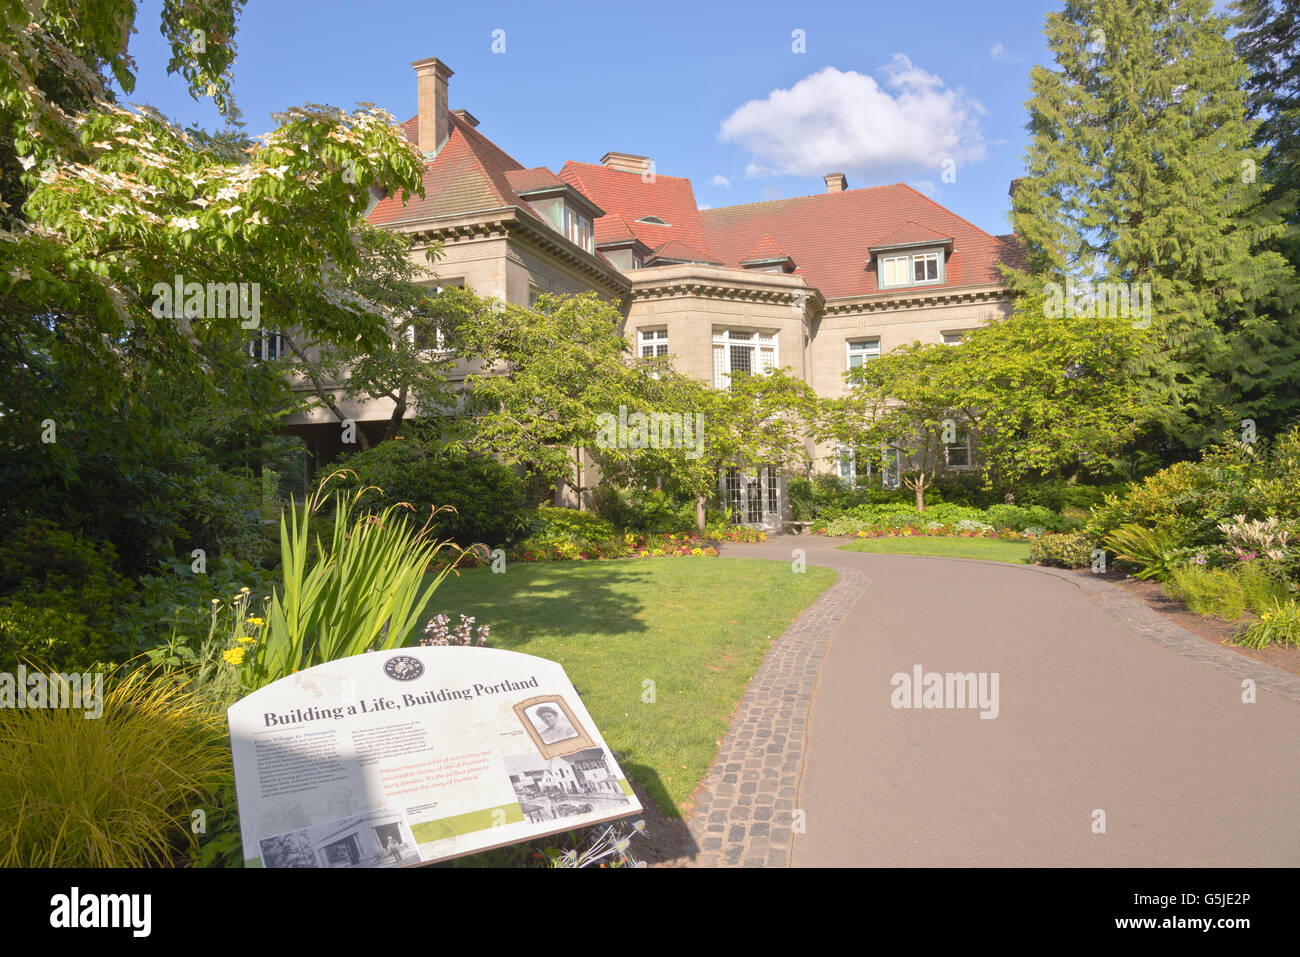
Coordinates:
<point>1266,616</point>
<point>234,656</point>
<point>247,640</point>
<point>244,590</point>
<point>256,622</point>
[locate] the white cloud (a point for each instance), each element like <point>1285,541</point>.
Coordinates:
<point>1002,54</point>
<point>721,180</point>
<point>841,121</point>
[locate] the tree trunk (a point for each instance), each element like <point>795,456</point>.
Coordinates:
<point>920,497</point>
<point>395,420</point>
<point>699,512</point>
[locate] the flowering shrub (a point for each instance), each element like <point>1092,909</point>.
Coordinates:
<point>997,521</point>
<point>437,634</point>
<point>630,545</point>
<point>1065,550</point>
<point>1279,625</point>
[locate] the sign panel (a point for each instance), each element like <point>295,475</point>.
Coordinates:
<point>404,757</point>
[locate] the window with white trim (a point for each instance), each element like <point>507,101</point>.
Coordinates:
<point>432,339</point>
<point>891,467</point>
<point>741,352</point>
<point>910,270</point>
<point>957,454</point>
<point>266,345</point>
<point>578,228</point>
<point>652,343</point>
<point>854,466</point>
<point>861,350</point>
<point>955,338</point>
<point>847,475</point>
<point>925,267</point>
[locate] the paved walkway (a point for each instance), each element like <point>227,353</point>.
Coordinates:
<point>1107,715</point>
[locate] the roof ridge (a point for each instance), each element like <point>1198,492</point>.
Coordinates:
<point>610,169</point>
<point>933,202</point>
<point>787,199</point>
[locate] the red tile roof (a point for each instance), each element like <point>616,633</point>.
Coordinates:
<point>669,198</point>
<point>468,174</point>
<point>613,228</point>
<point>677,251</point>
<point>829,235</point>
<point>766,251</point>
<point>910,233</point>
<point>539,177</point>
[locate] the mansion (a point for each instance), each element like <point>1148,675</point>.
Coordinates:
<point>816,283</point>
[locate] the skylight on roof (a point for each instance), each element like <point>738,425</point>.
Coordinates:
<point>653,221</point>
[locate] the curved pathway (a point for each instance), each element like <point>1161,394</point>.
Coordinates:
<point>1119,738</point>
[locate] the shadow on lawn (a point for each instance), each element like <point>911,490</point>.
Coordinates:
<point>535,599</point>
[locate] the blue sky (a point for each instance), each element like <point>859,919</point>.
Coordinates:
<point>714,93</point>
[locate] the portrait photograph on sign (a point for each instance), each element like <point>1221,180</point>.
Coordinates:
<point>552,725</point>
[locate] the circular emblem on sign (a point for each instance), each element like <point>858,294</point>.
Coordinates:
<point>403,668</point>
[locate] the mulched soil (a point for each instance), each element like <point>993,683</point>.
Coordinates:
<point>1216,630</point>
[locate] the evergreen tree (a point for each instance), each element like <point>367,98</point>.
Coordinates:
<point>1269,42</point>
<point>1142,170</point>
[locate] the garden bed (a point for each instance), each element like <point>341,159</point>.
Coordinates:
<point>1214,630</point>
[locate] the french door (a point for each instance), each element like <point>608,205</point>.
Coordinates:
<point>753,496</point>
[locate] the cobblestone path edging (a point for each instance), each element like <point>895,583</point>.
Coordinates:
<point>744,814</point>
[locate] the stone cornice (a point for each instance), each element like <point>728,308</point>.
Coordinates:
<point>924,299</point>
<point>510,222</point>
<point>721,282</point>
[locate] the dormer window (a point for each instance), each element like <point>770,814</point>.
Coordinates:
<point>578,228</point>
<point>912,269</point>
<point>653,221</point>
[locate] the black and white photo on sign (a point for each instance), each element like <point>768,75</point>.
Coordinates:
<point>551,723</point>
<point>377,839</point>
<point>579,783</point>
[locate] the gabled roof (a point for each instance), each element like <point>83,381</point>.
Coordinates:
<point>767,251</point>
<point>467,175</point>
<point>616,231</point>
<point>912,234</point>
<point>676,251</point>
<point>532,180</point>
<point>830,235</point>
<point>470,173</point>
<point>633,197</point>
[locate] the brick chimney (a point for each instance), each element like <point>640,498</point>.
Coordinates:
<point>431,76</point>
<point>627,162</point>
<point>1015,185</point>
<point>836,182</point>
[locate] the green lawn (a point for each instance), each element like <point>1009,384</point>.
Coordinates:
<point>696,627</point>
<point>991,549</point>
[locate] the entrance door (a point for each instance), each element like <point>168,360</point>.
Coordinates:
<point>753,496</point>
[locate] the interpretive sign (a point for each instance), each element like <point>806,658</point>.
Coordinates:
<point>406,757</point>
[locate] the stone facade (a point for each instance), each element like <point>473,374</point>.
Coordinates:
<point>808,275</point>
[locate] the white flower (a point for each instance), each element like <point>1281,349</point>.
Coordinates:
<point>27,161</point>
<point>184,223</point>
